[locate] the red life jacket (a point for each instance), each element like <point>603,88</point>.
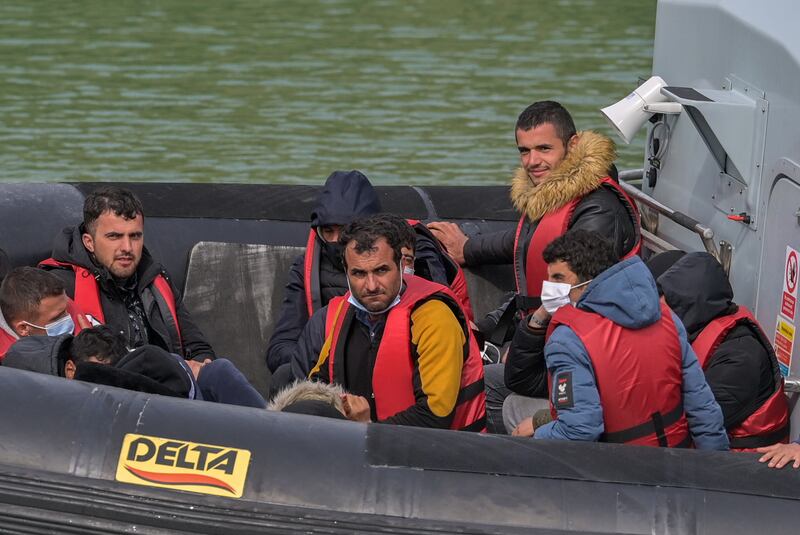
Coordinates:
<point>639,377</point>
<point>769,424</point>
<point>530,273</point>
<point>87,295</point>
<point>455,275</point>
<point>311,274</point>
<point>393,371</point>
<point>7,340</point>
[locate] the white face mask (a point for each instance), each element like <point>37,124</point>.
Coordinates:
<point>408,270</point>
<point>56,328</point>
<point>556,294</point>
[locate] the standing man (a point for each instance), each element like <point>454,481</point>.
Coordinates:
<point>620,366</point>
<point>401,346</point>
<point>113,278</point>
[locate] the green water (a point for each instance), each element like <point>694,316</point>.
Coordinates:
<point>267,91</point>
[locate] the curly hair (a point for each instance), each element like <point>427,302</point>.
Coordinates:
<point>586,252</point>
<point>365,231</point>
<point>120,201</point>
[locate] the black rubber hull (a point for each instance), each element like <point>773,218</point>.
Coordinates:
<point>62,442</point>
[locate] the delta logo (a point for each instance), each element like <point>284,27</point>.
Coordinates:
<point>176,464</point>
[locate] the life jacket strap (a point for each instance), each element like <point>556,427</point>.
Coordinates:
<point>655,426</point>
<point>470,391</point>
<point>752,442</point>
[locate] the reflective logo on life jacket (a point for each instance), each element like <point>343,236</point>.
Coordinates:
<point>177,464</point>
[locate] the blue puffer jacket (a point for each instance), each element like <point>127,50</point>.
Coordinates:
<point>626,294</point>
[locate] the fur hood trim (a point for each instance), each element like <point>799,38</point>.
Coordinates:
<point>308,391</point>
<point>578,174</point>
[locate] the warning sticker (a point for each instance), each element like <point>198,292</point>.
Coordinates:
<point>784,342</point>
<point>790,276</point>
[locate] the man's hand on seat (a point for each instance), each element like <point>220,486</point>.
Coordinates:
<point>451,236</point>
<point>779,455</point>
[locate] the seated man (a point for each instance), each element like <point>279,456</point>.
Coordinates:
<point>317,276</point>
<point>402,348</point>
<point>566,180</point>
<point>98,355</point>
<point>620,365</point>
<point>736,356</point>
<point>563,183</point>
<point>33,302</point>
<point>112,277</point>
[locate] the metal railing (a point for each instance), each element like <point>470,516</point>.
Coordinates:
<point>705,233</point>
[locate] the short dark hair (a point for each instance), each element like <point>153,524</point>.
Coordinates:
<point>547,111</point>
<point>100,342</point>
<point>23,290</point>
<point>120,201</point>
<point>586,252</point>
<point>365,231</point>
<point>408,237</point>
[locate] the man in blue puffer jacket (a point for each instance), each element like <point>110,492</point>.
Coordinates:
<point>620,366</point>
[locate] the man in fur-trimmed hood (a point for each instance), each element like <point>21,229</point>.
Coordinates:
<point>567,180</point>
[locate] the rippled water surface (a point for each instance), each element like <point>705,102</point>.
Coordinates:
<point>409,91</point>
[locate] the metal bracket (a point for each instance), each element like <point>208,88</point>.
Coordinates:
<point>725,256</point>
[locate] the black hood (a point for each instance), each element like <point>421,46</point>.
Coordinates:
<point>697,290</point>
<point>156,364</point>
<point>68,247</point>
<point>346,196</point>
<point>105,374</point>
<point>41,354</point>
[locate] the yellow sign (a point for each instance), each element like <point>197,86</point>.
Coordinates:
<point>176,464</point>
<point>786,329</point>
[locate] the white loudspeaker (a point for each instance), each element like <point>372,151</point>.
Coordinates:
<point>629,114</point>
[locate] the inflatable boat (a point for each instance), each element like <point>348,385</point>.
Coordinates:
<point>82,458</point>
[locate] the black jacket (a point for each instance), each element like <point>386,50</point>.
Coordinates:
<point>69,248</point>
<point>525,368</point>
<point>739,372</point>
<point>601,211</point>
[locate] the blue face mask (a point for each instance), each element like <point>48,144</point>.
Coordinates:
<point>353,301</point>
<point>61,326</point>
